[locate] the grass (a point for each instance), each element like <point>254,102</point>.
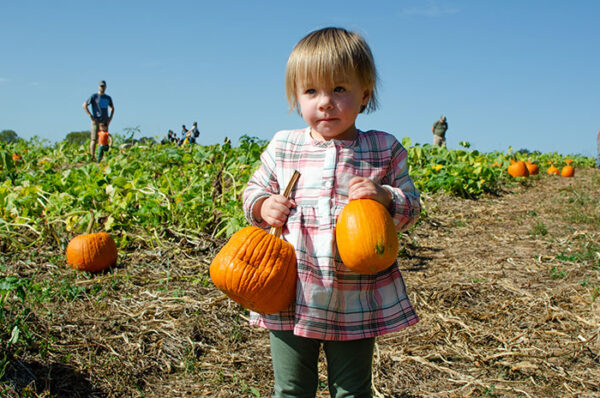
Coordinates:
<point>557,273</point>
<point>588,252</point>
<point>539,229</point>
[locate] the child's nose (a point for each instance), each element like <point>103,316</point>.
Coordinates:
<point>325,102</point>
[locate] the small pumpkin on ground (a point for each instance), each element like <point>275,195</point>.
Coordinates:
<point>552,170</point>
<point>518,169</point>
<point>92,252</point>
<point>257,269</point>
<point>532,168</point>
<point>366,237</point>
<point>567,171</point>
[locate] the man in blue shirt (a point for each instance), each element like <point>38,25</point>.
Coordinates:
<point>101,103</point>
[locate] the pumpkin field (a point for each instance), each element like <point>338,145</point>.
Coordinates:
<point>503,268</point>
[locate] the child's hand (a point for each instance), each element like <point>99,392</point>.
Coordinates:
<point>364,188</point>
<point>275,210</point>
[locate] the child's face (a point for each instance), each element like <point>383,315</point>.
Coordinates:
<point>331,111</point>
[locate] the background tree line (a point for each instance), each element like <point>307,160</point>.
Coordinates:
<point>80,137</point>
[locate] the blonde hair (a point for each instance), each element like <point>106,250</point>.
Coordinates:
<point>325,54</point>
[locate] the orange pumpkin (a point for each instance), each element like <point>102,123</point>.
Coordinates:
<point>257,270</point>
<point>568,161</point>
<point>92,252</point>
<point>567,171</point>
<point>16,157</point>
<point>518,169</point>
<point>532,168</point>
<point>552,170</point>
<point>366,237</point>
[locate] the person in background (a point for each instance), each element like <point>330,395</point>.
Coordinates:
<point>104,140</point>
<point>101,104</point>
<point>192,133</point>
<point>169,139</point>
<point>183,134</point>
<point>439,131</point>
<point>331,79</point>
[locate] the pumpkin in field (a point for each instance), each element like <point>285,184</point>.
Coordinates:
<point>532,168</point>
<point>518,169</point>
<point>567,171</point>
<point>552,170</point>
<point>366,237</point>
<point>257,270</point>
<point>92,252</point>
<point>16,157</point>
<point>568,161</point>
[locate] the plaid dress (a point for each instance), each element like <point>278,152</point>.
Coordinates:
<point>332,302</point>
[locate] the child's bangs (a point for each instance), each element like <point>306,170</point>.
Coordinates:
<point>323,69</point>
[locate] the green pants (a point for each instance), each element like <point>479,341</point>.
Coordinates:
<point>296,359</point>
<point>101,150</point>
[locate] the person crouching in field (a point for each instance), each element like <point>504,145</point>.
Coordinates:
<point>330,80</point>
<point>104,140</point>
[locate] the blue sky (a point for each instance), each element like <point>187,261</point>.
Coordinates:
<point>506,73</point>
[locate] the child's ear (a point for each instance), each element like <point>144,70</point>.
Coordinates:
<point>366,97</point>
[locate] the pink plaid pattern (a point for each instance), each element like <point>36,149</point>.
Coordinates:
<point>332,302</point>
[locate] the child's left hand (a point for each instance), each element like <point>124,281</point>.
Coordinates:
<point>364,188</point>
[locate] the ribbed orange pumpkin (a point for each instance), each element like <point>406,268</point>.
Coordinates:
<point>92,252</point>
<point>366,237</point>
<point>552,170</point>
<point>518,169</point>
<point>532,168</point>
<point>257,270</point>
<point>567,171</point>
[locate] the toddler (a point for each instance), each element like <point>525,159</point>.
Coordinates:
<point>330,79</point>
<point>104,140</point>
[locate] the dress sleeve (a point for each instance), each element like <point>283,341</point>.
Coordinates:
<point>262,184</point>
<point>406,199</point>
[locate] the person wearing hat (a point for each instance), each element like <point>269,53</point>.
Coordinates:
<point>439,131</point>
<point>100,103</point>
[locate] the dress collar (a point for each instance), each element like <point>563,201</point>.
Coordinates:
<point>325,144</point>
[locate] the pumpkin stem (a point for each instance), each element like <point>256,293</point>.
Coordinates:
<point>91,224</point>
<point>288,190</point>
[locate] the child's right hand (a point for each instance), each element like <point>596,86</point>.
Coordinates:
<point>275,210</point>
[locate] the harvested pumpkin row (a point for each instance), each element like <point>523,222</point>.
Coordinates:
<point>525,169</point>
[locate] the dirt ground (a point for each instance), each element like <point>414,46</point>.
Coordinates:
<point>507,288</point>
